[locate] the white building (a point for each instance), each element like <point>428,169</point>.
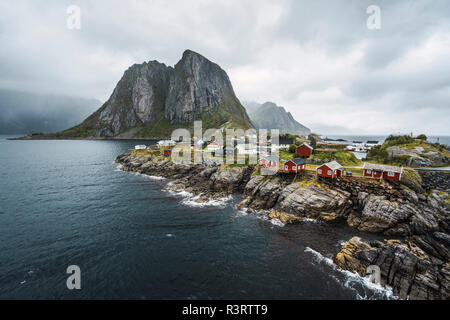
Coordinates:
<point>166,143</point>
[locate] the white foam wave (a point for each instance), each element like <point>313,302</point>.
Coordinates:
<point>259,214</point>
<point>119,167</point>
<point>277,222</point>
<point>154,177</point>
<point>353,280</point>
<point>192,200</point>
<point>242,212</point>
<point>319,257</point>
<point>310,220</point>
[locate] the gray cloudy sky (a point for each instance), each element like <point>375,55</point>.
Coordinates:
<point>318,59</point>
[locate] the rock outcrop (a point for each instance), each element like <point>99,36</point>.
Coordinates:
<point>152,99</point>
<point>418,156</point>
<point>373,206</point>
<point>414,272</point>
<point>435,180</point>
<point>204,181</point>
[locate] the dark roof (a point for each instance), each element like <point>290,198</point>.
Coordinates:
<point>286,141</point>
<point>297,161</point>
<point>374,142</point>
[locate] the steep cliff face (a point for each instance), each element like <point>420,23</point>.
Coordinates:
<point>152,99</point>
<point>271,116</point>
<point>199,86</point>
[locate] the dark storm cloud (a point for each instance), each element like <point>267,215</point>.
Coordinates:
<point>305,55</point>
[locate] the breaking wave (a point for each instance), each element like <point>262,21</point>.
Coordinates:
<point>192,200</point>
<point>259,214</point>
<point>277,222</point>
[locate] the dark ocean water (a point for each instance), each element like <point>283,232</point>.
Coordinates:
<point>65,203</point>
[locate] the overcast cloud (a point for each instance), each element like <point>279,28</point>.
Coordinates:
<point>316,58</point>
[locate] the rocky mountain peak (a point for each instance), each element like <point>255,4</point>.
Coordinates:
<point>152,99</point>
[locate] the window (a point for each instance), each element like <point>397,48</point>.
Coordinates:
<point>369,171</point>
<point>319,171</point>
<point>330,172</point>
<point>286,168</point>
<point>390,174</point>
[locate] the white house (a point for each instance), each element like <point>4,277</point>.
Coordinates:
<point>166,143</point>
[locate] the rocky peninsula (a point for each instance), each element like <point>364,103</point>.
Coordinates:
<point>413,214</point>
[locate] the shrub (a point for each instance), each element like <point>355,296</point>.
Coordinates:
<point>312,139</point>
<point>378,153</point>
<point>292,148</point>
<point>393,140</point>
<point>422,137</point>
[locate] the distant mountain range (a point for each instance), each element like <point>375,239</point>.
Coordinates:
<point>152,99</point>
<point>26,113</point>
<point>270,116</point>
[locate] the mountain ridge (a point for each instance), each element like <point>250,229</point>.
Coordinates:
<point>271,116</point>
<point>152,99</point>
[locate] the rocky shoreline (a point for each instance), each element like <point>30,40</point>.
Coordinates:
<point>415,261</point>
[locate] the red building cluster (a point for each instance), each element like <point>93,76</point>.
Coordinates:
<point>331,169</point>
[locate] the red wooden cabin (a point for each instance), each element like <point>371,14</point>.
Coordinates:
<point>304,151</point>
<point>294,165</point>
<point>330,170</point>
<point>379,171</point>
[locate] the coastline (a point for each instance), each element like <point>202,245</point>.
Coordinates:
<point>414,261</point>
<point>88,138</point>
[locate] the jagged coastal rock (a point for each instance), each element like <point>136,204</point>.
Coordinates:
<point>152,99</point>
<point>413,272</point>
<point>415,258</point>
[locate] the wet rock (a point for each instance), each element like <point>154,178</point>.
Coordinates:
<point>404,266</point>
